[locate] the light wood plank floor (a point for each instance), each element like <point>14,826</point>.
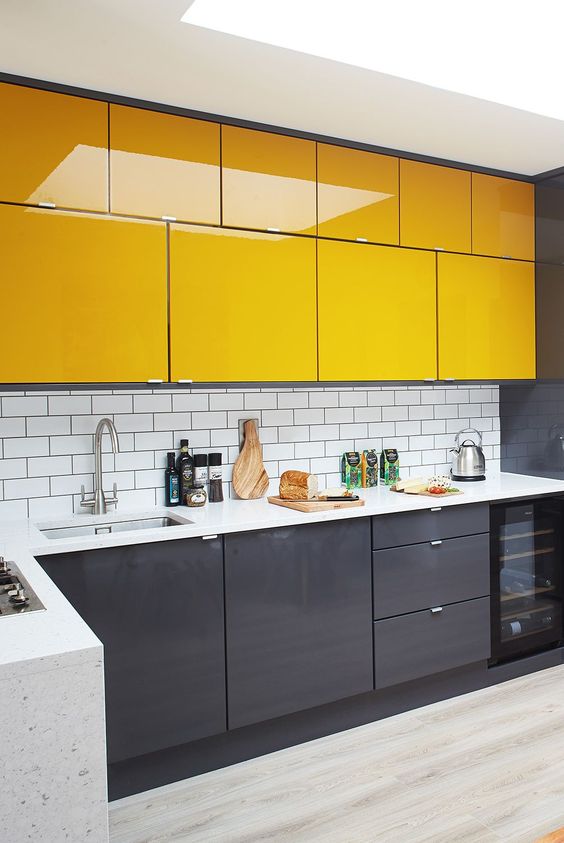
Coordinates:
<point>484,767</point>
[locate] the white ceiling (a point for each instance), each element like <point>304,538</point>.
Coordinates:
<point>139,48</point>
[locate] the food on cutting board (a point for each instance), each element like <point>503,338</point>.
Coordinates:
<point>369,468</point>
<point>336,492</point>
<point>411,484</point>
<point>438,485</point>
<point>351,470</point>
<point>298,486</point>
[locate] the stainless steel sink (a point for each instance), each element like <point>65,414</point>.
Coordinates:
<point>103,528</point>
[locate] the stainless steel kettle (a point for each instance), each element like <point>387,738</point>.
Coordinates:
<point>468,460</point>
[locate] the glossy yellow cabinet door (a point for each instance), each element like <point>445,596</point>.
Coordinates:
<point>268,181</point>
<point>242,306</point>
<point>486,318</point>
<point>357,194</point>
<point>377,313</point>
<point>86,297</point>
<point>53,148</point>
<point>435,207</point>
<point>164,165</point>
<point>503,217</point>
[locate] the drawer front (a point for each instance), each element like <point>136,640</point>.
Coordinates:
<point>427,642</point>
<point>407,579</point>
<point>440,522</point>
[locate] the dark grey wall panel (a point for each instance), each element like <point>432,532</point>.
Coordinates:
<point>423,643</point>
<point>550,319</point>
<point>532,429</point>
<point>440,522</point>
<point>158,610</point>
<point>298,618</point>
<point>549,211</point>
<point>419,576</point>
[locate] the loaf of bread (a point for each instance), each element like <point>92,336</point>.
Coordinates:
<point>298,486</point>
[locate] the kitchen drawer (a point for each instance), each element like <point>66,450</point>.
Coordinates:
<point>415,577</point>
<point>440,522</point>
<point>428,642</point>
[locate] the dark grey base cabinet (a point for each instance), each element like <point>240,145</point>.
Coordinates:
<point>298,618</point>
<point>158,610</point>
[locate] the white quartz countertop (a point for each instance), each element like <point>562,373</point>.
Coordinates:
<point>59,630</point>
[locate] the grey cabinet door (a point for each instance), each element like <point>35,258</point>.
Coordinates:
<point>298,618</point>
<point>438,522</point>
<point>423,643</point>
<point>158,610</point>
<point>419,576</point>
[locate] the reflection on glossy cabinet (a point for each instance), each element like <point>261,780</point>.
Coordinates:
<point>53,148</point>
<point>357,194</point>
<point>486,318</point>
<point>164,165</point>
<point>242,306</point>
<point>503,217</point>
<point>86,296</point>
<point>435,207</point>
<point>268,181</point>
<point>377,312</point>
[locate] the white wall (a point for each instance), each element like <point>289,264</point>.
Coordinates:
<point>46,439</point>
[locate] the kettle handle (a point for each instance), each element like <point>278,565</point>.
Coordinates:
<point>467,430</point>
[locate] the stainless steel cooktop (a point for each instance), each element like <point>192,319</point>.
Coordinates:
<point>16,595</point>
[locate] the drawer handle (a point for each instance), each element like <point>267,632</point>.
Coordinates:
<point>436,508</point>
<point>437,610</point>
<point>434,544</point>
<point>207,538</point>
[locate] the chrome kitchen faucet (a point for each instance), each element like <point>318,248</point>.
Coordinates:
<point>99,502</point>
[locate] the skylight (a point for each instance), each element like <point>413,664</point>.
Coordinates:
<point>504,51</point>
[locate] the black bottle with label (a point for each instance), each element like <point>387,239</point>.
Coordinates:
<point>172,482</point>
<point>185,468</point>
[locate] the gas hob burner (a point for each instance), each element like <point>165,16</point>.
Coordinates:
<point>16,595</point>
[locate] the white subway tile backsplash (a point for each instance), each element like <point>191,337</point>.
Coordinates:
<point>34,446</point>
<point>108,405</point>
<point>152,403</point>
<point>13,427</point>
<point>45,457</point>
<point>315,415</point>
<point>276,418</point>
<point>68,405</point>
<point>31,487</point>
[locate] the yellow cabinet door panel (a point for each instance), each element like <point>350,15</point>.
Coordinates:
<point>377,312</point>
<point>435,207</point>
<point>242,306</point>
<point>53,148</point>
<point>503,217</point>
<point>357,194</point>
<point>86,297</point>
<point>268,181</point>
<point>164,165</point>
<point>486,318</point>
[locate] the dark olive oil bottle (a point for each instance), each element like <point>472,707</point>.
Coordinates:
<point>172,482</point>
<point>185,468</point>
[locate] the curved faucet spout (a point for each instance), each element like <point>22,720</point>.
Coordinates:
<point>100,500</point>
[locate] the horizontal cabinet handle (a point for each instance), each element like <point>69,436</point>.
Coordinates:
<point>273,229</point>
<point>207,538</point>
<point>46,205</point>
<point>184,380</point>
<point>449,379</point>
<point>362,239</point>
<point>437,610</point>
<point>429,380</point>
<point>166,218</point>
<point>155,380</point>
<point>436,508</point>
<point>439,248</point>
<point>436,542</point>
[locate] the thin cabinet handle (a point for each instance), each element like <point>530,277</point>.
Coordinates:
<point>207,538</point>
<point>437,542</point>
<point>436,508</point>
<point>437,610</point>
<point>184,380</point>
<point>155,380</point>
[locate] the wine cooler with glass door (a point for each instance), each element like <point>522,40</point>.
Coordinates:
<point>526,587</point>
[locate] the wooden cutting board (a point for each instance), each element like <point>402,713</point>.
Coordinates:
<point>315,506</point>
<point>431,495</point>
<point>250,479</point>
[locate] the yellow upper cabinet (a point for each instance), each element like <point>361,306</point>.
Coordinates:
<point>53,148</point>
<point>357,194</point>
<point>503,217</point>
<point>242,306</point>
<point>86,296</point>
<point>435,207</point>
<point>486,318</point>
<point>377,313</point>
<point>164,165</point>
<point>268,181</point>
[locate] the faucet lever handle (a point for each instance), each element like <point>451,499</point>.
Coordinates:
<point>82,492</point>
